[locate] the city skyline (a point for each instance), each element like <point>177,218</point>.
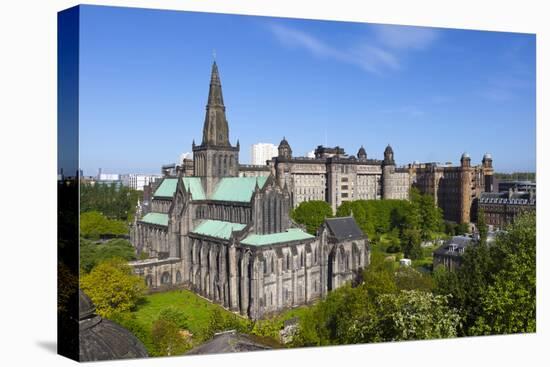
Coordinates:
<point>430,93</point>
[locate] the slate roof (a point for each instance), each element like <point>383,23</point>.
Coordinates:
<point>455,246</point>
<point>292,234</point>
<point>344,228</point>
<point>229,342</point>
<point>218,228</point>
<point>520,198</point>
<point>160,219</point>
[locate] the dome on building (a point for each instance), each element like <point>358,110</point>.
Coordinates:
<point>465,156</point>
<point>487,156</point>
<point>102,339</point>
<point>362,154</point>
<point>388,149</point>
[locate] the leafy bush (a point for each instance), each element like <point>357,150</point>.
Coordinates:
<point>495,286</point>
<point>168,339</point>
<point>112,287</point>
<point>114,202</point>
<point>92,254</point>
<point>94,224</point>
<point>311,214</point>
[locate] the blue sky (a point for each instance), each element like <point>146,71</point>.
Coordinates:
<point>431,93</point>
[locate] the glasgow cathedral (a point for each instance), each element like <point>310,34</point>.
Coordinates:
<point>224,229</point>
<point>229,237</point>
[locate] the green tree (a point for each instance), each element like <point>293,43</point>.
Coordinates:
<point>174,315</point>
<point>378,277</point>
<point>311,214</point>
<point>168,339</point>
<point>416,315</point>
<point>115,202</point>
<point>93,224</point>
<point>344,316</point>
<point>462,228</point>
<point>450,228</point>
<point>508,304</point>
<point>481,226</point>
<point>407,278</point>
<point>218,322</point>
<point>112,287</point>
<point>92,254</point>
<point>495,286</point>
<point>410,243</point>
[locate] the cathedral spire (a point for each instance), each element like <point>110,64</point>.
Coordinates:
<point>215,131</point>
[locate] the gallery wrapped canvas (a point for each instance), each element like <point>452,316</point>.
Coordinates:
<point>348,184</point>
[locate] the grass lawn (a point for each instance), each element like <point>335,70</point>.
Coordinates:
<point>198,313</point>
<point>197,310</point>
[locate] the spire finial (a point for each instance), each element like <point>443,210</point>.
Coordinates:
<point>214,55</point>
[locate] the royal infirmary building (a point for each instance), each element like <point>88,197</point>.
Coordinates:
<point>228,236</point>
<point>335,177</point>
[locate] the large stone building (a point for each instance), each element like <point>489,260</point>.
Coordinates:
<point>335,177</point>
<point>455,189</point>
<point>230,238</point>
<point>502,208</point>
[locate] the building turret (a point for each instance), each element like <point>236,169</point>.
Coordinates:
<point>488,172</point>
<point>487,161</point>
<point>388,168</point>
<point>388,156</point>
<point>362,154</point>
<point>465,160</point>
<point>465,188</point>
<point>284,149</point>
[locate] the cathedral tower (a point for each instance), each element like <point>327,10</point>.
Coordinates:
<point>215,157</point>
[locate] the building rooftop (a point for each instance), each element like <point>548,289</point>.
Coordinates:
<point>506,197</point>
<point>230,342</point>
<point>228,189</point>
<point>194,185</point>
<point>344,228</point>
<point>217,228</point>
<point>167,188</point>
<point>455,246</point>
<point>292,234</point>
<point>237,188</point>
<point>160,219</point>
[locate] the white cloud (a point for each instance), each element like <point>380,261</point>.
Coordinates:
<point>405,37</point>
<point>502,88</point>
<point>376,56</point>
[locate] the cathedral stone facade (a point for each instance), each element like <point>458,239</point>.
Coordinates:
<point>229,236</point>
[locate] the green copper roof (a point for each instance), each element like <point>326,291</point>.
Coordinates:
<point>167,188</point>
<point>156,218</point>
<point>237,188</point>
<point>217,228</point>
<point>293,234</point>
<point>194,184</point>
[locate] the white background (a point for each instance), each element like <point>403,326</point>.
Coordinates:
<point>28,181</point>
